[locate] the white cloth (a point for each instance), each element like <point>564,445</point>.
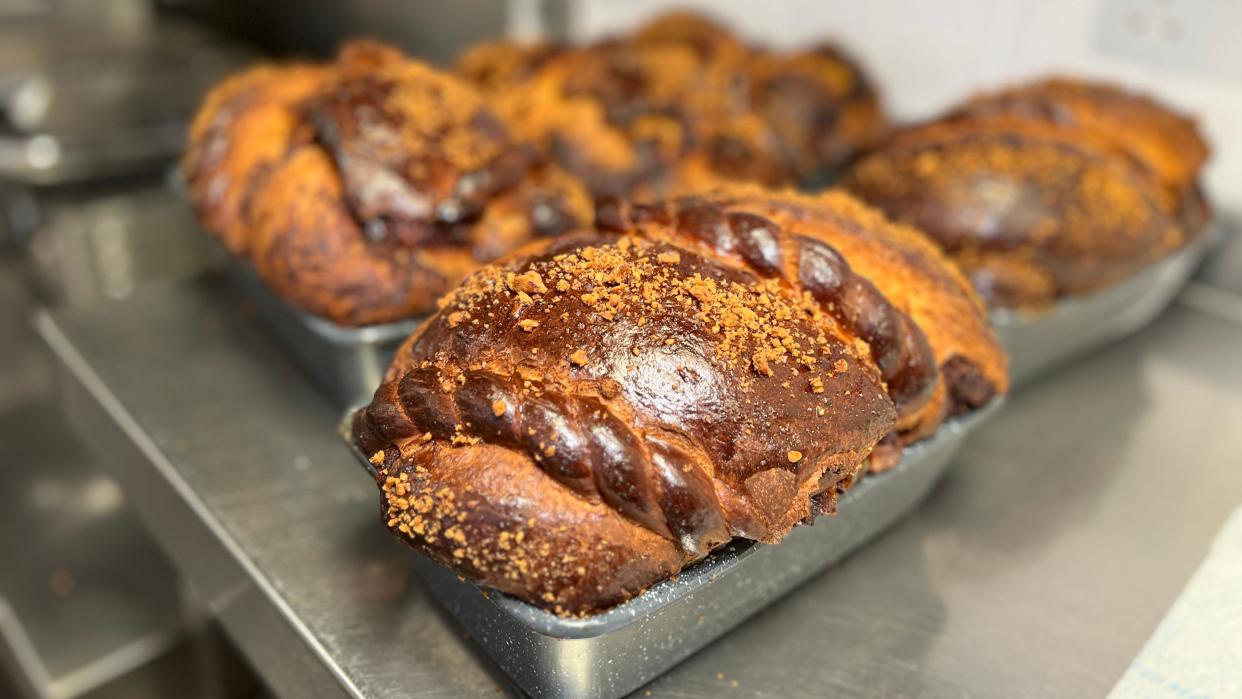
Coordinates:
<point>1196,652</point>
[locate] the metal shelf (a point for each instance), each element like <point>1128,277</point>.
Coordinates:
<point>1039,566</point>
<point>89,605</point>
<point>85,595</point>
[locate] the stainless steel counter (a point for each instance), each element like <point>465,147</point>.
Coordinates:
<point>89,605</point>
<point>1223,268</point>
<point>1038,567</point>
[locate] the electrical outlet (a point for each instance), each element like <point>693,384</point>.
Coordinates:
<point>1195,35</point>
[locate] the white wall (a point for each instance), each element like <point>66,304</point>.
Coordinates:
<point>927,54</point>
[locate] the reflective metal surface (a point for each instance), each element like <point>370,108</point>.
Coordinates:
<point>1037,567</point>
<point>1223,267</point>
<point>106,244</point>
<point>89,605</point>
<point>614,652</point>
<point>1039,341</point>
<point>348,363</point>
<point>86,98</point>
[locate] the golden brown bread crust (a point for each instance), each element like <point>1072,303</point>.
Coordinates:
<point>499,64</point>
<point>620,116</point>
<point>681,104</point>
<point>821,106</point>
<point>917,278</point>
<point>365,189</point>
<point>1154,135</point>
<point>245,127</point>
<point>1029,210</point>
<point>691,29</point>
<point>309,248</point>
<point>590,414</point>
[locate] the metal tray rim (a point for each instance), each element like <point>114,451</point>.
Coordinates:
<point>378,332</point>
<point>1083,303</point>
<point>702,572</point>
<point>254,284</point>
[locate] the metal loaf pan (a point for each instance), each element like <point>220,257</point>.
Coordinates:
<point>348,362</point>
<point>617,651</point>
<point>1039,341</point>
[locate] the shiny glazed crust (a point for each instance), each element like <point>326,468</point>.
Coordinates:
<point>919,280</point>
<point>1030,211</point>
<point>364,189</point>
<point>591,414</point>
<point>1166,143</point>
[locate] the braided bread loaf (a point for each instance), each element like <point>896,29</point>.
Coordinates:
<point>680,105</point>
<point>1155,137</point>
<point>910,271</point>
<point>363,190</point>
<point>593,413</point>
<point>245,128</point>
<point>1046,190</point>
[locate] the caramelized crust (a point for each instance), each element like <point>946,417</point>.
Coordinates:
<point>246,126</point>
<point>363,190</point>
<point>706,37</point>
<point>681,103</point>
<point>497,65</point>
<point>898,348</point>
<point>620,116</point>
<point>919,280</point>
<point>593,413</point>
<point>302,234</point>
<point>1031,212</point>
<point>820,105</point>
<point>414,147</point>
<point>1166,143</point>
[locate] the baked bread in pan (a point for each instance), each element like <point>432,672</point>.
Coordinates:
<point>679,105</point>
<point>1166,143</point>
<point>246,127</point>
<point>911,271</point>
<point>364,189</point>
<point>1043,191</point>
<point>589,415</point>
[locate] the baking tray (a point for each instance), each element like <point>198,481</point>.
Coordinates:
<point>1038,341</point>
<point>617,651</point>
<point>347,362</point>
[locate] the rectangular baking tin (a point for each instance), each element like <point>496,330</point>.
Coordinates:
<point>617,651</point>
<point>348,362</point>
<point>1038,341</point>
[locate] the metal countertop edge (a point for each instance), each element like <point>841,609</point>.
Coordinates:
<point>68,355</point>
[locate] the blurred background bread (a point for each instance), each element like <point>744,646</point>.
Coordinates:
<point>679,104</point>
<point>1044,190</point>
<point>363,189</point>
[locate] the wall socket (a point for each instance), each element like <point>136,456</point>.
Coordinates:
<point>1200,36</point>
